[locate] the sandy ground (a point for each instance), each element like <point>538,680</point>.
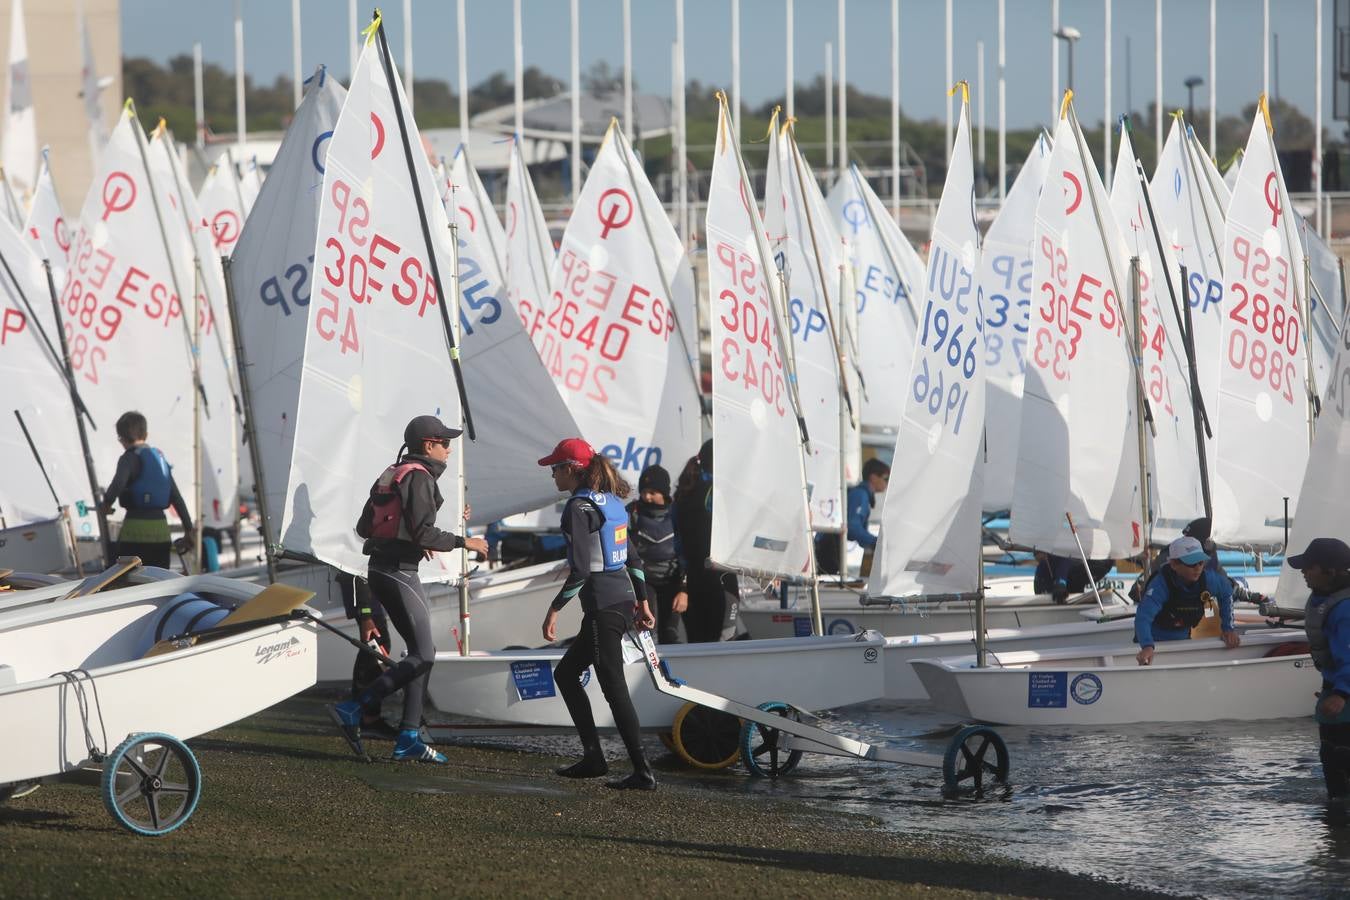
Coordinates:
<point>287,810</point>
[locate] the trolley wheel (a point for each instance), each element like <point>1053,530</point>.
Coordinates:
<point>151,784</point>
<point>706,738</point>
<point>967,763</point>
<point>759,744</point>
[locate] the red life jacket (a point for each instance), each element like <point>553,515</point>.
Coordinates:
<point>383,513</point>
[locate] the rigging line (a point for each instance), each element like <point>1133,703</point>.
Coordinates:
<point>432,262</point>
<point>885,245</point>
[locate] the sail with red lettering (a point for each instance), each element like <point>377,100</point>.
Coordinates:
<point>1177,493</point>
<point>759,517</point>
<point>930,524</point>
<point>887,274</point>
<point>1264,378</point>
<point>377,353</point>
<point>1005,280</point>
<point>35,386</point>
<point>272,271</point>
<point>516,404</point>
<point>1077,450</point>
<point>809,266</point>
<point>1325,491</point>
<point>46,224</point>
<point>529,250</point>
<point>610,333</point>
<point>221,202</point>
<point>129,344</point>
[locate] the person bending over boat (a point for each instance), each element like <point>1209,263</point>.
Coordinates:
<point>605,572</point>
<point>1060,576</point>
<point>714,594</point>
<point>1326,570</point>
<point>1174,600</point>
<point>651,527</point>
<point>861,499</point>
<point>399,525</point>
<point>144,485</point>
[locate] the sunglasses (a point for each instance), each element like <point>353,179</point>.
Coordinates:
<point>444,442</point>
<point>558,467</point>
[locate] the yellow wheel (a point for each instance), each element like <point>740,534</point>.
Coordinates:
<point>706,738</point>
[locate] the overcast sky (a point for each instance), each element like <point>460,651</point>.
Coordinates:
<point>163,28</point>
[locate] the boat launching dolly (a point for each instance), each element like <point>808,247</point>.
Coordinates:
<point>774,735</point>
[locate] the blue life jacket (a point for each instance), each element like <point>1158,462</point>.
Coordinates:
<point>613,533</point>
<point>150,488</point>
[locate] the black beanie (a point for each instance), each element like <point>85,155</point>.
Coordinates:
<point>655,478</point>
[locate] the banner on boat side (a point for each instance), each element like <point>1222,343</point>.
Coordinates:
<point>377,353</point>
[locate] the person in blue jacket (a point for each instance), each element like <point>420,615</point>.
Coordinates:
<point>1174,600</point>
<point>861,498</point>
<point>1326,570</point>
<point>143,484</point>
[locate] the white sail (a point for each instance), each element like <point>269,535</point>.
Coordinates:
<point>1005,281</point>
<point>46,225</point>
<point>930,525</point>
<point>810,270</point>
<point>1325,490</point>
<point>1263,399</point>
<point>89,88</point>
<point>529,254</point>
<point>377,353</point>
<point>18,141</point>
<point>35,386</point>
<point>517,408</point>
<point>1078,445</point>
<point>610,335</point>
<point>759,519</point>
<point>887,273</point>
<point>198,271</point>
<point>1176,494</point>
<point>250,184</point>
<point>1230,174</point>
<point>221,202</point>
<point>272,270</point>
<point>1326,306</point>
<point>128,340</point>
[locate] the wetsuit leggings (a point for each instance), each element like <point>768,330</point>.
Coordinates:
<point>600,643</point>
<point>405,603</point>
<point>1335,753</point>
<point>366,669</point>
<point>713,600</point>
<point>669,624</point>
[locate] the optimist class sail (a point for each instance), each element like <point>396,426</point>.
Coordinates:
<point>377,353</point>
<point>759,515</point>
<point>1078,448</point>
<point>1263,380</point>
<point>222,206</point>
<point>610,333</point>
<point>887,273</point>
<point>930,523</point>
<point>272,270</point>
<point>1005,281</point>
<point>517,406</point>
<point>46,225</point>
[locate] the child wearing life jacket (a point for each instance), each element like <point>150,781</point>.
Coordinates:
<point>143,484</point>
<point>651,529</point>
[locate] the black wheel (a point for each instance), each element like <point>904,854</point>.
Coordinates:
<point>760,744</point>
<point>151,784</point>
<point>706,738</point>
<point>967,764</point>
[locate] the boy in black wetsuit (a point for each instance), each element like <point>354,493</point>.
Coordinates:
<point>651,528</point>
<point>144,486</point>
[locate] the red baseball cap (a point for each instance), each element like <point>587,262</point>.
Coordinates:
<point>570,450</point>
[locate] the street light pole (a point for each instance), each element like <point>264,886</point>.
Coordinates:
<point>1191,84</point>
<point>1069,35</point>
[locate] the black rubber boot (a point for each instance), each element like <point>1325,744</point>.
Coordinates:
<point>591,765</point>
<point>642,778</point>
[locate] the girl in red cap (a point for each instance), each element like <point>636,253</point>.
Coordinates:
<point>603,569</point>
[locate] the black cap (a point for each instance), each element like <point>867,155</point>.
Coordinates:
<point>427,428</point>
<point>655,478</point>
<point>1198,529</point>
<point>1329,553</point>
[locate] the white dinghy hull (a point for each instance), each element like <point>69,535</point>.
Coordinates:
<point>184,693</point>
<point>1189,681</point>
<point>517,687</point>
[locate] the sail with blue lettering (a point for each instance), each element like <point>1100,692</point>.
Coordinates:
<point>759,517</point>
<point>1078,445</point>
<point>610,333</point>
<point>272,273</point>
<point>516,405</point>
<point>378,352</point>
<point>930,525</point>
<point>1005,280</point>
<point>1264,380</point>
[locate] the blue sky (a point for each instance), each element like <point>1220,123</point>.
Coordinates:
<point>164,28</point>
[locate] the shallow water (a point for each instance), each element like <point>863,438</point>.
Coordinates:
<point>1223,809</point>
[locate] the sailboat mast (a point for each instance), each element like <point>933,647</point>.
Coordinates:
<point>1137,347</point>
<point>459,464</point>
<point>1197,412</point>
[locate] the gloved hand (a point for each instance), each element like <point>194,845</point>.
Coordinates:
<point>1059,592</point>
